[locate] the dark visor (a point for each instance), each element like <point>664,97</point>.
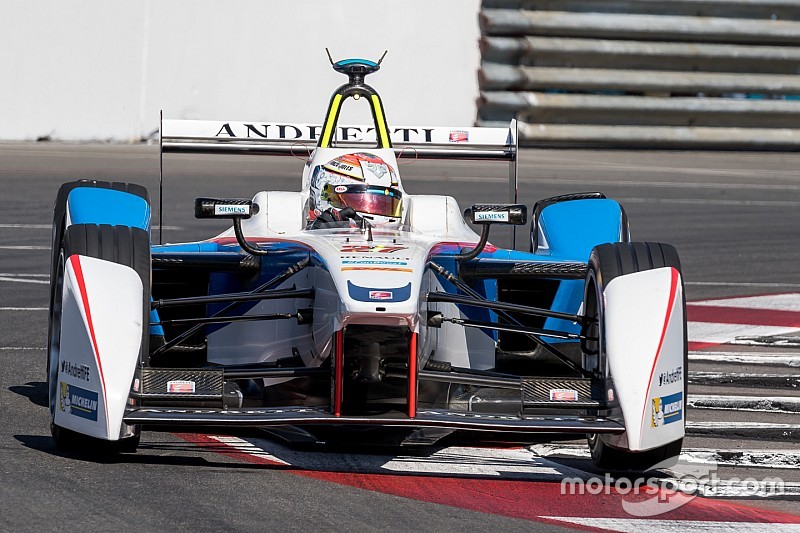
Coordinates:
<point>372,199</point>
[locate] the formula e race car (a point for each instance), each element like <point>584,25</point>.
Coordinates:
<point>353,304</point>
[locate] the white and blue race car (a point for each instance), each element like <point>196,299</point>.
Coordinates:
<point>353,304</point>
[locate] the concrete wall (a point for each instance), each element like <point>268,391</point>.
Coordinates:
<point>102,69</point>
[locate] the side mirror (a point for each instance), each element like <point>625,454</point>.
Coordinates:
<point>224,208</point>
<point>232,208</point>
<point>515,214</point>
<point>488,214</point>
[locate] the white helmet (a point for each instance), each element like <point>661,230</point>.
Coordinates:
<point>362,181</point>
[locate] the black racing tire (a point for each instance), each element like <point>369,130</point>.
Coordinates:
<point>608,261</point>
<point>59,222</point>
<point>119,244</point>
<point>60,211</point>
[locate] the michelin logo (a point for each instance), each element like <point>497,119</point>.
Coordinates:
<point>78,402</point>
<point>666,410</point>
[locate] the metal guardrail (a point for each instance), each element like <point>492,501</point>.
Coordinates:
<point>544,108</point>
<point>598,53</point>
<point>662,137</point>
<point>662,27</point>
<point>757,9</point>
<point>666,73</point>
<point>502,77</point>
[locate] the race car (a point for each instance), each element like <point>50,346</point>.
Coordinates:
<point>354,304</point>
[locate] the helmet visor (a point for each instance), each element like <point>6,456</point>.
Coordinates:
<point>371,199</point>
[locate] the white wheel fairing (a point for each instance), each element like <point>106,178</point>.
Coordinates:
<point>644,345</point>
<point>98,346</point>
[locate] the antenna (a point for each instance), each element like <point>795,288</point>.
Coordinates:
<point>381,59</point>
<point>331,58</point>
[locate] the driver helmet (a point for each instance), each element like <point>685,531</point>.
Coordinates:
<point>362,181</point>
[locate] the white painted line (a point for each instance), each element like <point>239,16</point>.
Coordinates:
<point>753,358</point>
<point>705,202</point>
<point>732,376</point>
<point>481,462</point>
<point>22,280</point>
<point>15,348</point>
<point>781,459</point>
<point>747,488</point>
<point>726,333</point>
<point>740,284</point>
<point>742,425</point>
<point>50,226</point>
<point>774,302</point>
<point>18,275</point>
<point>772,341</point>
<point>24,247</point>
<point>776,404</point>
<point>243,446</point>
<point>651,525</point>
<point>24,308</point>
<point>561,164</point>
<point>27,226</point>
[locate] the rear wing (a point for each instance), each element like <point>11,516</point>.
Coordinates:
<point>217,136</point>
<point>214,136</point>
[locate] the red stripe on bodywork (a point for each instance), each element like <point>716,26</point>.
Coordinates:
<point>741,315</point>
<point>412,376</point>
<point>78,269</point>
<point>338,372</point>
<point>673,290</point>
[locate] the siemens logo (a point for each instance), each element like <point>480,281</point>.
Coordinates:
<point>231,210</point>
<point>491,216</point>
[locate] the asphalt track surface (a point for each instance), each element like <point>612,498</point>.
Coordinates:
<point>734,218</point>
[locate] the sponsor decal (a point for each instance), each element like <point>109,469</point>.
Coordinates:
<point>311,132</point>
<point>338,165</point>
<point>379,169</point>
<point>673,376</point>
<point>136,384</point>
<point>459,136</point>
<point>376,268</point>
<point>380,295</point>
<point>610,395</point>
<point>491,216</point>
<point>370,294</point>
<point>666,410</point>
<point>341,167</point>
<point>75,370</point>
<point>340,189</point>
<point>227,209</point>
<point>366,248</point>
<point>374,262</point>
<point>78,402</point>
<point>563,395</point>
<point>181,387</point>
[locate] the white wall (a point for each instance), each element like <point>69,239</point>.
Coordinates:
<point>102,69</point>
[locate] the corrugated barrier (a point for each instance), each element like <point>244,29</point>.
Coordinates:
<point>644,73</point>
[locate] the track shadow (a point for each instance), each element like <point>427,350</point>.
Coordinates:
<point>147,454</point>
<point>35,391</point>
